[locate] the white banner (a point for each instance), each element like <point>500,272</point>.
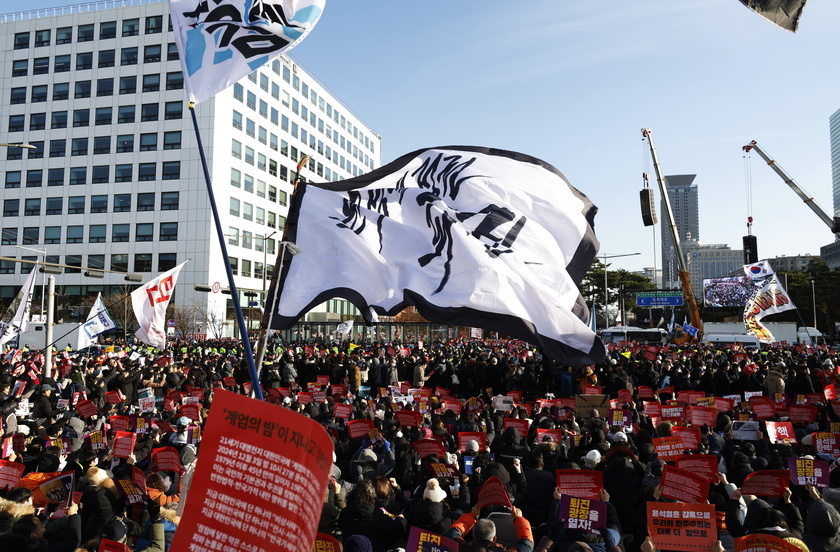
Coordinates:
<point>150,302</point>
<point>98,322</point>
<point>770,298</point>
<point>345,327</point>
<point>222,41</point>
<point>16,324</point>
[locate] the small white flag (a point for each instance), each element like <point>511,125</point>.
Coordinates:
<point>98,322</point>
<point>345,327</point>
<point>150,302</point>
<point>224,40</point>
<point>16,324</point>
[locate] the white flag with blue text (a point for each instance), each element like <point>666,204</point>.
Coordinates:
<point>98,322</point>
<point>471,236</point>
<point>15,324</point>
<point>221,41</point>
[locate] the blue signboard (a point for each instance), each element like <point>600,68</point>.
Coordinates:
<point>659,299</point>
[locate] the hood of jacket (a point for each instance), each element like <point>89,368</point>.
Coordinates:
<point>823,520</point>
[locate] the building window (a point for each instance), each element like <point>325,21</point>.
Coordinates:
<point>151,83</point>
<point>246,268</point>
<point>102,144</point>
<point>131,27</point>
<point>75,205</point>
<point>169,201</point>
<point>129,56</point>
<point>146,172</point>
<point>237,120</point>
<point>151,54</point>
<point>123,173</point>
<point>249,184</point>
<point>82,89</point>
<point>236,149</point>
<point>78,175</point>
<point>172,52</point>
<point>144,231</point>
<point>250,128</point>
<point>128,85</point>
<point>107,29</point>
<point>249,155</point>
<point>64,35</point>
<point>79,146</point>
<point>247,211</point>
<point>17,123</point>
<point>233,236</point>
<point>7,267</point>
<point>81,117</point>
<point>37,121</point>
<point>20,68</point>
<point>84,60</point>
<point>62,64</point>
<point>252,101</point>
<point>39,94</point>
<point>52,234</point>
<point>97,262</point>
<point>171,170</point>
<point>174,81</point>
<point>167,261</point>
<point>104,116</point>
<point>148,142</point>
<point>97,233</point>
<point>100,174</point>
<point>235,178</point>
<point>34,178</point>
<point>143,262</point>
<point>146,202</point>
<point>149,112</point>
<point>11,207</point>
<point>31,236</point>
<point>173,110</point>
<point>32,207</point>
<point>55,205</point>
<point>154,24</point>
<point>168,231</point>
<point>104,87</point>
<point>75,261</point>
<point>55,177</point>
<point>85,33</point>
<point>37,153</point>
<point>61,91</point>
<point>238,91</point>
<point>120,232</point>
<point>21,41</point>
<point>172,140</point>
<point>18,96</point>
<point>234,207</point>
<point>41,66</point>
<point>122,203</point>
<point>107,58</point>
<point>259,218</point>
<point>58,148</point>
<point>119,262</point>
<point>272,220</point>
<point>125,142</point>
<point>126,114</point>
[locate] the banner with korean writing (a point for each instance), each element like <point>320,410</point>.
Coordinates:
<point>701,415</point>
<point>683,485</point>
<point>781,433</point>
<point>702,465</point>
<point>166,459</point>
<point>408,418</point>
<point>826,443</point>
<point>465,437</point>
<point>678,526</point>
<point>583,514</point>
<point>520,424</point>
<point>124,442</point>
<point>808,471</point>
<point>359,428</point>
<point>760,542</point>
<point>343,411</point>
<point>668,448</point>
<point>10,474</point>
<point>421,540</point>
<point>427,447</point>
<point>770,483</point>
<point>96,440</point>
<point>492,492</point>
<point>580,483</point>
<point>286,459</point>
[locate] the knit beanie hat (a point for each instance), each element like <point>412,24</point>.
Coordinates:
<point>433,491</point>
<point>357,543</point>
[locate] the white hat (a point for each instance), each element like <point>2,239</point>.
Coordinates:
<point>592,458</point>
<point>367,455</point>
<point>472,446</point>
<point>433,491</point>
<point>619,437</point>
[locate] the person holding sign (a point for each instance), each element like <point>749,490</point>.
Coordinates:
<point>484,533</point>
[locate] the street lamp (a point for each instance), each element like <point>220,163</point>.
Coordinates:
<point>24,146</point>
<point>606,290</point>
<point>814,301</point>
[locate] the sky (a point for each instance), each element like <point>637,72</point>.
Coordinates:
<point>573,83</point>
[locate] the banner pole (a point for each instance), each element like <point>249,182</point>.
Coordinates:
<point>240,317</point>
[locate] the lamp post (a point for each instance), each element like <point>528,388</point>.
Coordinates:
<point>606,289</point>
<point>814,301</point>
<point>265,260</point>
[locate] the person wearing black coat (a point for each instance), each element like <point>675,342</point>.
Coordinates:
<point>822,526</point>
<point>539,490</point>
<point>362,517</point>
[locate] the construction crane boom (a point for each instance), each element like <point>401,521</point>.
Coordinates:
<point>807,199</point>
<point>685,278</point>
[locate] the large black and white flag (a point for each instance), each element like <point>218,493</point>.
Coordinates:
<point>470,236</point>
<point>784,13</point>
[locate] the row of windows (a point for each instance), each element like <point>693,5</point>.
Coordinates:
<point>119,263</point>
<point>270,165</point>
<point>104,87</point>
<point>63,63</point>
<point>82,118</point>
<point>85,33</point>
<point>248,212</point>
<point>124,143</point>
<point>97,233</point>
<point>249,240</point>
<point>169,201</point>
<point>247,184</point>
<point>99,174</point>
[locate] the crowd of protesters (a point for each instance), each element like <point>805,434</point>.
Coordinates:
<point>379,485</point>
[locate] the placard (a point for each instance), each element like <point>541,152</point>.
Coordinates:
<point>86,409</point>
<point>701,465</point>
<point>583,514</point>
<point>124,442</point>
<point>10,473</point>
<point>769,483</point>
<point>493,492</point>
<point>420,540</point>
<point>166,459</point>
<point>690,436</point>
<point>761,542</point>
<point>808,471</point>
<point>408,418</point>
<point>683,486</point>
<point>678,526</point>
<point>286,459</point>
<point>668,448</point>
<point>826,443</point>
<point>581,483</point>
<point>520,424</point>
<point>780,432</point>
<point>343,411</point>
<point>556,435</point>
<point>359,428</point>
<point>427,447</point>
<point>465,437</point>
<point>745,430</point>
<point>805,413</point>
<point>701,415</point>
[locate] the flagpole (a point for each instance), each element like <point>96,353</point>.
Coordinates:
<point>268,312</point>
<point>240,317</point>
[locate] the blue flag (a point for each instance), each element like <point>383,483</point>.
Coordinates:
<point>689,329</point>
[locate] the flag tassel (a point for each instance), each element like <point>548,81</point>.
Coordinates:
<point>240,317</point>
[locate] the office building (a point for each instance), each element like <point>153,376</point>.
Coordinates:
<point>831,252</point>
<point>115,182</point>
<point>682,193</point>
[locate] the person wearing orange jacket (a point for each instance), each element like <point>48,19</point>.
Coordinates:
<point>484,533</point>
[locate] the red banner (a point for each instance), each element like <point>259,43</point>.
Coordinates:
<point>690,436</point>
<point>465,437</point>
<point>581,483</point>
<point>760,542</point>
<point>701,415</point>
<point>427,447</point>
<point>780,432</point>
<point>683,486</point>
<point>343,411</point>
<point>493,492</point>
<point>555,434</point>
<point>676,526</point>
<point>10,474</point>
<point>668,448</point>
<point>805,413</point>
<point>408,418</point>
<point>769,483</point>
<point>166,459</point>
<point>520,425</point>
<point>124,444</point>
<point>359,428</point>
<point>87,409</point>
<point>701,465</point>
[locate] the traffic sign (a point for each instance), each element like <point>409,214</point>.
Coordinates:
<point>217,287</point>
<point>659,299</point>
<point>170,323</point>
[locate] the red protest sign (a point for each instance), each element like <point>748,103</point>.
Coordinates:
<point>427,447</point>
<point>673,412</point>
<point>690,436</point>
<point>326,543</point>
<point>493,492</point>
<point>408,418</point>
<point>645,392</point>
<point>113,397</point>
<point>702,465</point>
<point>359,428</point>
<point>592,389</point>
<point>780,432</point>
<point>829,392</point>
<point>107,545</point>
<point>770,483</point>
<point>677,526</point>
<point>10,473</point>
<point>229,381</point>
<point>701,415</point>
<point>683,485</point>
<point>581,483</point>
<point>124,443</point>
<point>465,437</point>
<point>87,409</point>
<point>520,424</point>
<point>722,404</point>
<point>668,448</point>
<point>653,409</point>
<point>763,407</point>
<point>556,435</point>
<point>166,459</point>
<point>120,423</point>
<point>760,542</point>
<point>343,411</point>
<point>802,413</point>
<point>286,460</point>
<point>826,443</point>
<point>453,405</point>
<point>191,411</point>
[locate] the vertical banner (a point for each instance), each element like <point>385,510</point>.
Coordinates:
<point>261,469</point>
